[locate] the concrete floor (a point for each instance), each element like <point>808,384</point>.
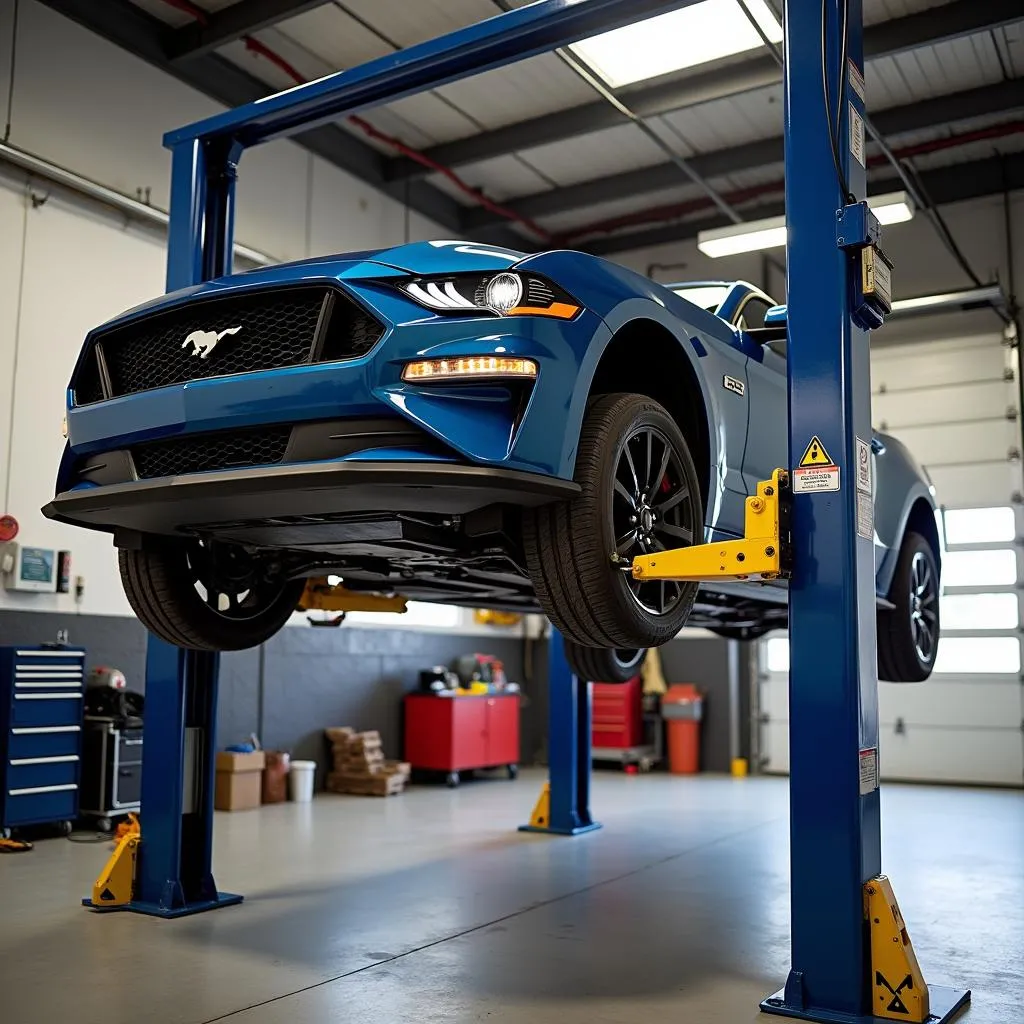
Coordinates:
<point>429,907</point>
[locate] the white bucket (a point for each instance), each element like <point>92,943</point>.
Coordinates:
<point>302,775</point>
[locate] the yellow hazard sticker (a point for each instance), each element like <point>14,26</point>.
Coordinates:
<point>815,454</point>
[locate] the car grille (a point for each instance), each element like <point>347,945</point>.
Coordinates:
<point>223,450</point>
<point>197,340</point>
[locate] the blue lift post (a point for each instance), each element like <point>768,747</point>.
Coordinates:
<point>173,875</point>
<point>834,796</point>
<point>569,754</point>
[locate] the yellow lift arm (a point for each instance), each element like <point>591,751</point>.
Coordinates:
<point>321,596</point>
<point>762,554</point>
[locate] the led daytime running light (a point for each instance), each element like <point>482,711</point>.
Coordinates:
<point>466,367</point>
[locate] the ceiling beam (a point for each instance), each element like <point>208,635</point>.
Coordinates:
<point>884,39</point>
<point>231,23</point>
<point>133,29</point>
<point>935,111</point>
<point>953,184</point>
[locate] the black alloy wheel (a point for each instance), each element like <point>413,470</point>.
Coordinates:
<point>207,596</point>
<point>923,602</point>
<point>908,632</point>
<point>653,509</point>
<point>639,494</point>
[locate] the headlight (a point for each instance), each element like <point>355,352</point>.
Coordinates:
<point>501,293</point>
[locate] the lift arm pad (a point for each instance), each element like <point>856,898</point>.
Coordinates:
<point>762,554</point>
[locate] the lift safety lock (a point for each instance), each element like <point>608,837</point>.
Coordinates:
<point>860,234</point>
<point>763,554</point>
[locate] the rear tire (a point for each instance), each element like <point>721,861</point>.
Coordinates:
<point>161,586</point>
<point>908,634</point>
<point>639,494</point>
<point>604,664</point>
<point>741,632</point>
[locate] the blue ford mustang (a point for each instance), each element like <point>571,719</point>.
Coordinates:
<point>461,423</point>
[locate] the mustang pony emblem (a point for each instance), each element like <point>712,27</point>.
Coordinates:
<point>204,342</point>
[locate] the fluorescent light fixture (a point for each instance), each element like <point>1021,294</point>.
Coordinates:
<point>770,233</point>
<point>748,237</point>
<point>892,207</point>
<point>968,299</point>
<point>680,39</point>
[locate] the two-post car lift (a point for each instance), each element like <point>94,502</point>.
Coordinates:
<point>851,959</point>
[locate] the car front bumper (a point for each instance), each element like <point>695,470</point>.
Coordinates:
<point>301,504</point>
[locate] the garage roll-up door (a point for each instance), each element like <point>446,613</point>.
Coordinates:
<point>954,403</point>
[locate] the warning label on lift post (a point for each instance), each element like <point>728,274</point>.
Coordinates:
<point>816,470</point>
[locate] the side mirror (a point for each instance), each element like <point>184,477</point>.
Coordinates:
<point>775,317</point>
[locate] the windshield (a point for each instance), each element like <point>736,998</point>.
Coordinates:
<point>707,296</point>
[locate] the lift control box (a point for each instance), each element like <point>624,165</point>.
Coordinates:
<point>870,277</point>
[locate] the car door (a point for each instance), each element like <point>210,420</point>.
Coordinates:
<point>768,420</point>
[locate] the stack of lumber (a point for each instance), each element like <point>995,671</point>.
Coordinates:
<point>360,766</point>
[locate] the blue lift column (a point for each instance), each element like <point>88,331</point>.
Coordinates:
<point>173,875</point>
<point>566,811</point>
<point>834,794</point>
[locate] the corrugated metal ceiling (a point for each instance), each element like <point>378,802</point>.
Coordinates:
<point>344,33</point>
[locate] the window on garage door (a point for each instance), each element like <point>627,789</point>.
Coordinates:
<point>954,404</point>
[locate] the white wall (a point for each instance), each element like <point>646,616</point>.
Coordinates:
<point>65,267</point>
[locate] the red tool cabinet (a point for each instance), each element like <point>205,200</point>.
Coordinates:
<point>456,734</point>
<point>617,715</point>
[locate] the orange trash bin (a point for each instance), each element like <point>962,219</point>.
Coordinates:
<point>683,708</point>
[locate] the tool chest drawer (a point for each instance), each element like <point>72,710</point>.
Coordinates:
<point>129,747</point>
<point>41,701</point>
<point>36,772</point>
<point>44,741</point>
<point>39,805</point>
<point>616,717</point>
<point>47,709</point>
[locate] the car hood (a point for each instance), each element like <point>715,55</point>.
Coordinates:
<point>435,257</point>
<point>446,257</point>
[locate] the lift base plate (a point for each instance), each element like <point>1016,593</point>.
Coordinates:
<point>550,830</point>
<point>224,899</point>
<point>944,1005</point>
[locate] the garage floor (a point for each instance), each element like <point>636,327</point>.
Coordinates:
<point>428,907</point>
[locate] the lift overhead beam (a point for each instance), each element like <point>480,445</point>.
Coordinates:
<point>503,39</point>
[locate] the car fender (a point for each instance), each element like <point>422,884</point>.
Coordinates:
<point>645,309</point>
<point>899,484</point>
<point>619,296</point>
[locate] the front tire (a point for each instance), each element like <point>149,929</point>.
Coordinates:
<point>639,494</point>
<point>908,633</point>
<point>206,597</point>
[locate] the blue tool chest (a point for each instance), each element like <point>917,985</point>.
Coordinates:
<point>41,693</point>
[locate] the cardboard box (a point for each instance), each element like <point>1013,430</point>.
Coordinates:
<point>239,781</point>
<point>228,761</point>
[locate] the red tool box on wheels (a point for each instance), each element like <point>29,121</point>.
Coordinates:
<point>457,734</point>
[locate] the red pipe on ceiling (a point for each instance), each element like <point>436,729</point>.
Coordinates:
<point>673,211</point>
